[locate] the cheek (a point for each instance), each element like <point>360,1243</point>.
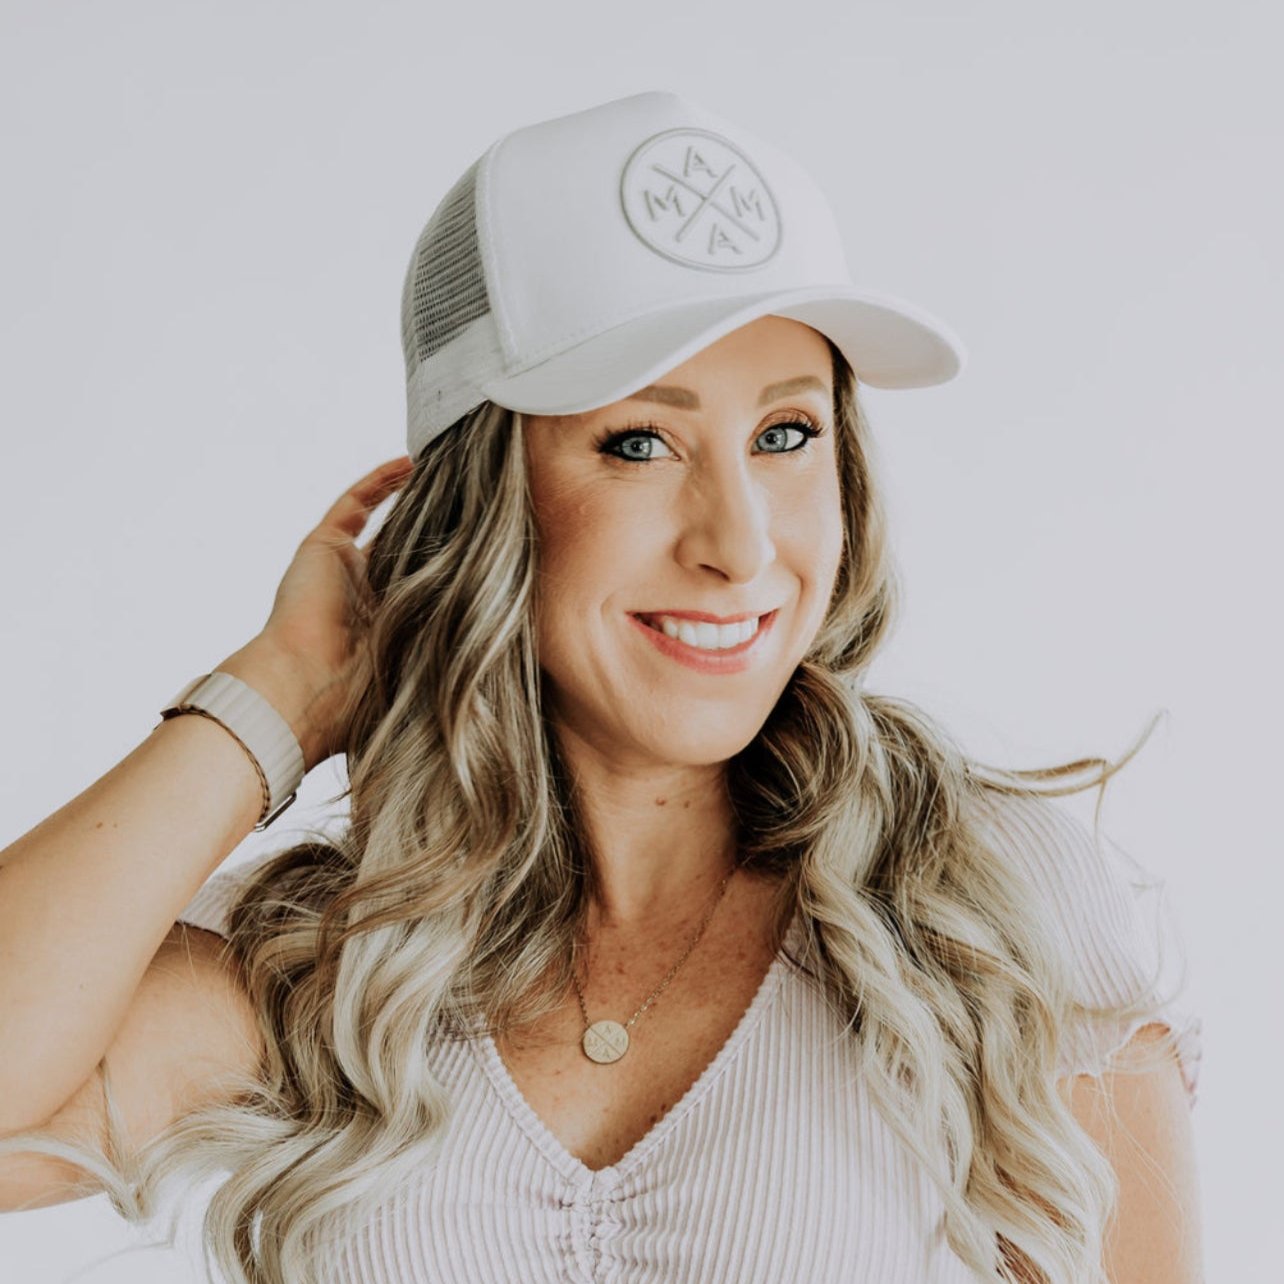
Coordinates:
<point>588,558</point>
<point>582,537</point>
<point>816,552</point>
<point>813,532</point>
<point>832,536</point>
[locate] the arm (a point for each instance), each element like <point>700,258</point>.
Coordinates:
<point>188,1029</point>
<point>1141,1122</point>
<point>88,896</point>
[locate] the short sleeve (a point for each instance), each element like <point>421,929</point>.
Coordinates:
<point>212,904</point>
<point>1115,927</point>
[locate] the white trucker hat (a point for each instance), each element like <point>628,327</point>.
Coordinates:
<point>579,258</point>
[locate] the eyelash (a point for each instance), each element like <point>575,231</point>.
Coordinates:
<point>804,423</point>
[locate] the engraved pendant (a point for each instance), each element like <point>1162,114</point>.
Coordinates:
<point>605,1041</point>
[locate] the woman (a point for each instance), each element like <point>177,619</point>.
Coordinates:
<point>656,948</point>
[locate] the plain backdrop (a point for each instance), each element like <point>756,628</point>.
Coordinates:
<point>208,211</point>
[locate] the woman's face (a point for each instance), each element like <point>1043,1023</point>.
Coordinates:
<point>700,499</point>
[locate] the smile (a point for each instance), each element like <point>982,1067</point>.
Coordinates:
<point>701,634</point>
<point>704,646</point>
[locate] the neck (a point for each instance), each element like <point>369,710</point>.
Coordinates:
<point>661,837</point>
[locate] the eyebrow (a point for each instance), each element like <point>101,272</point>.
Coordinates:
<point>669,395</point>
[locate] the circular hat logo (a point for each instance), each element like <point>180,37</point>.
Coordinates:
<point>696,198</point>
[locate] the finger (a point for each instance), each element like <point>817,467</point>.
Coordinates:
<point>372,491</point>
<point>390,472</point>
<point>350,512</point>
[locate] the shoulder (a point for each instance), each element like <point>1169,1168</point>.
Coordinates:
<point>190,1033</point>
<point>1095,900</point>
<point>1047,841</point>
<point>190,1038</point>
<point>1094,895</point>
<point>1112,928</point>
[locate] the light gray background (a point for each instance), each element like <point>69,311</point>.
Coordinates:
<point>207,216</point>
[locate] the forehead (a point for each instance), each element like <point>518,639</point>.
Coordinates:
<point>687,399</point>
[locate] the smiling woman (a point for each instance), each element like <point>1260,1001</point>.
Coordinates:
<point>656,946</point>
<point>734,514</point>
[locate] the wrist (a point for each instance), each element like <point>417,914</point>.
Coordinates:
<point>281,682</point>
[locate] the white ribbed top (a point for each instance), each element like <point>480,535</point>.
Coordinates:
<point>775,1165</point>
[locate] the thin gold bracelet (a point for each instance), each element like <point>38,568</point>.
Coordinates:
<point>258,770</point>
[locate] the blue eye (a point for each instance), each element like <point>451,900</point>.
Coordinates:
<point>778,435</point>
<point>618,443</point>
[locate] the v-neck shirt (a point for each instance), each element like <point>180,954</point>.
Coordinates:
<point>774,1166</point>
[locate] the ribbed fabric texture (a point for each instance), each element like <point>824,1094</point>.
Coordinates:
<point>261,729</point>
<point>774,1167</point>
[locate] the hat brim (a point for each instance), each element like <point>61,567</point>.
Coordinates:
<point>888,343</point>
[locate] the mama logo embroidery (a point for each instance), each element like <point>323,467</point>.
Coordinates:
<point>697,199</point>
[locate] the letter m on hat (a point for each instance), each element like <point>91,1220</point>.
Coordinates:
<point>671,201</point>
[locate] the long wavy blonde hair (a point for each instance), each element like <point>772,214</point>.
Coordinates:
<point>455,892</point>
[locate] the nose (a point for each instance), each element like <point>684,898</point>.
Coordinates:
<point>726,520</point>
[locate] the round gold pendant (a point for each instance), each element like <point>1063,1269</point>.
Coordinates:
<point>605,1041</point>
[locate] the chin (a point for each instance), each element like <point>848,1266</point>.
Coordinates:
<point>704,739</point>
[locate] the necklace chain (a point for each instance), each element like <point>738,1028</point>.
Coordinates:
<point>606,1041</point>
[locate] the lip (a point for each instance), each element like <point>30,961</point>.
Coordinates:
<point>734,659</point>
<point>705,617</point>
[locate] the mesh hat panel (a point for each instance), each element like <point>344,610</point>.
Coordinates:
<point>445,285</point>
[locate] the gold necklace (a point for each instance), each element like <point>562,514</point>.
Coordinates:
<point>606,1041</point>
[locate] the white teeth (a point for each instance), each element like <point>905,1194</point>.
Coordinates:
<point>706,636</point>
